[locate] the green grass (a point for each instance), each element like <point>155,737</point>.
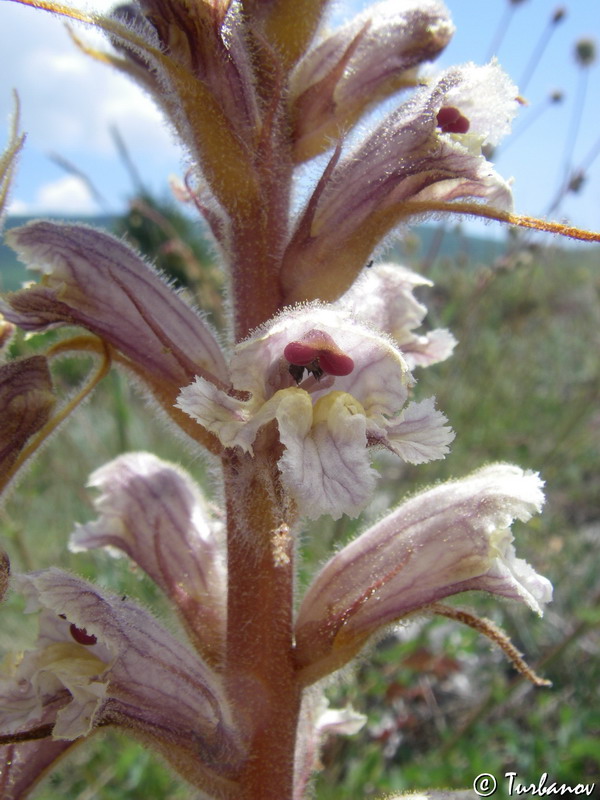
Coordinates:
<point>442,705</point>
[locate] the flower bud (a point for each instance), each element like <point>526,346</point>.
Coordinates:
<point>373,56</point>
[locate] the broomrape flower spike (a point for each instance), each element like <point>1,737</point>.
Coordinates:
<point>314,375</point>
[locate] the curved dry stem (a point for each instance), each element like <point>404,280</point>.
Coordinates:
<point>193,429</point>
<point>487,628</point>
<point>520,220</point>
<point>64,412</point>
<point>7,159</point>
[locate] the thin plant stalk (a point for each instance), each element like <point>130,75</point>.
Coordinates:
<point>536,55</point>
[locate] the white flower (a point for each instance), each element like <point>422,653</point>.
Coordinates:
<point>354,394</point>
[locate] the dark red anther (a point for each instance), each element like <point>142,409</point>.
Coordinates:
<point>81,636</point>
<point>450,120</point>
<point>319,354</point>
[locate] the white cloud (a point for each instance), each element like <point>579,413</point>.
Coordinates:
<point>87,99</point>
<point>67,195</point>
<point>17,208</point>
<point>69,101</point>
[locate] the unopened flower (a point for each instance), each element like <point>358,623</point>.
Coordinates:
<point>354,393</point>
<point>194,59</point>
<point>585,52</point>
<point>360,64</point>
<point>449,539</point>
<point>26,400</point>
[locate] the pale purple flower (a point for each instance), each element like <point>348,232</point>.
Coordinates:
<point>355,394</point>
<point>315,376</point>
<point>449,539</point>
<point>93,280</point>
<point>413,158</point>
<point>153,511</point>
<point>102,660</point>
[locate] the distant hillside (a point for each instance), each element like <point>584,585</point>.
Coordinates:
<point>428,242</point>
<point>419,247</point>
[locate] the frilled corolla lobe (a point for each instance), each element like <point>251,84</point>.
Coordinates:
<point>359,65</point>
<point>383,297</point>
<point>415,157</point>
<point>95,281</point>
<point>317,722</point>
<point>450,539</point>
<point>354,394</point>
<point>154,512</point>
<point>103,660</point>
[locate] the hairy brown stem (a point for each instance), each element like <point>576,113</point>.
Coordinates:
<point>261,681</point>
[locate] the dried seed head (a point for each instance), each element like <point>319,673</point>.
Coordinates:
<point>585,52</point>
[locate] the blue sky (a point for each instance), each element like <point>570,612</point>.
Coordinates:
<point>69,104</point>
